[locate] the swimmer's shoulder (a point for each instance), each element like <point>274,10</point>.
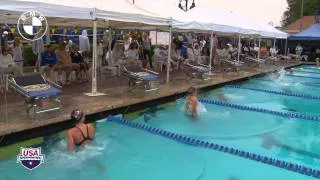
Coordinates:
<point>194,98</point>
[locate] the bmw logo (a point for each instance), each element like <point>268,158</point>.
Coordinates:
<point>32,25</point>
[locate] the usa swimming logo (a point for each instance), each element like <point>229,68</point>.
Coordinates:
<point>30,158</point>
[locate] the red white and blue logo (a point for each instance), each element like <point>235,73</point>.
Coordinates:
<point>30,158</point>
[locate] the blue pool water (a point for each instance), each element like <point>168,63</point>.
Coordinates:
<point>125,153</point>
<point>122,152</point>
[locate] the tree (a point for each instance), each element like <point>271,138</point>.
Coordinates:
<point>293,12</point>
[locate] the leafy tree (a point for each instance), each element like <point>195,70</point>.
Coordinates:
<point>293,12</point>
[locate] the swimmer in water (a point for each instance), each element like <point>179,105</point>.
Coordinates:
<point>81,134</point>
<point>192,102</point>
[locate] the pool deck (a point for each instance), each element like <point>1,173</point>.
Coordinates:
<point>117,96</point>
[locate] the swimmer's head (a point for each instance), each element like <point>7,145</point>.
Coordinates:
<point>192,91</point>
<point>77,115</point>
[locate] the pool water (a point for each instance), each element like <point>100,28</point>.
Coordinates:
<point>120,152</point>
<point>264,100</point>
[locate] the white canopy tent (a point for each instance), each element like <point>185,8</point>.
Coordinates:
<point>80,14</point>
<point>203,18</point>
<point>126,15</point>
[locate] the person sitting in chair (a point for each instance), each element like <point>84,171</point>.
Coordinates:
<point>48,61</point>
<point>64,63</point>
<point>77,58</point>
<point>7,65</point>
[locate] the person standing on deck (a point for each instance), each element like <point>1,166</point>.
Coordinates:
<point>214,49</point>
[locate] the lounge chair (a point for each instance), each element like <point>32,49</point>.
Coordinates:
<point>197,71</point>
<point>140,77</point>
<point>256,60</point>
<point>40,95</point>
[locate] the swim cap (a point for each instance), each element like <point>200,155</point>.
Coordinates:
<point>191,90</point>
<point>76,115</point>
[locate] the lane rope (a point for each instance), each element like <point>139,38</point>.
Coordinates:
<point>299,76</point>
<point>300,95</point>
<point>293,167</point>
<point>307,72</point>
<point>311,84</point>
<point>289,115</point>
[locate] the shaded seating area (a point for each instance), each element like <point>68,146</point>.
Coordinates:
<point>40,95</point>
<point>140,77</point>
<point>310,39</point>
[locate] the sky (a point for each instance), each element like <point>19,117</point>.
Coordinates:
<point>263,11</point>
<point>258,10</point>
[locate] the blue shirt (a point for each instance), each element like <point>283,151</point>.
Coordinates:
<point>48,58</point>
<point>184,48</point>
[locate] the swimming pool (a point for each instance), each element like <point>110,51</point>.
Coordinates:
<point>122,152</point>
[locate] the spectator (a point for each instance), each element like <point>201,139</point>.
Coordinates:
<point>176,59</point>
<point>117,54</point>
<point>132,53</point>
<point>99,53</point>
<point>4,41</point>
<point>215,43</point>
<point>142,57</point>
<point>299,50</point>
<point>146,43</point>
<point>64,63</point>
<point>48,61</point>
<point>17,54</point>
<point>7,64</point>
<point>84,44</point>
<point>77,58</point>
<point>184,47</point>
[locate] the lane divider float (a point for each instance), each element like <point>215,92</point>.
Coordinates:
<point>300,95</point>
<point>301,169</point>
<point>289,115</point>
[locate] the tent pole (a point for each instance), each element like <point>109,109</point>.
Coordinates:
<point>94,61</point>
<point>285,50</point>
<point>239,46</point>
<point>109,47</point>
<point>234,41</point>
<point>156,37</point>
<point>259,52</point>
<point>211,51</point>
<point>169,52</point>
<point>274,46</point>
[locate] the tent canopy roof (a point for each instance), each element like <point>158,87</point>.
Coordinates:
<point>312,33</point>
<point>63,15</point>
<point>124,14</point>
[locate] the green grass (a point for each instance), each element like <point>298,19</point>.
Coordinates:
<point>9,151</point>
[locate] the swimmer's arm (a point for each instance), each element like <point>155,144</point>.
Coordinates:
<point>70,142</point>
<point>194,107</point>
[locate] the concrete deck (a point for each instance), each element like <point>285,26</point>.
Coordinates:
<point>117,95</point>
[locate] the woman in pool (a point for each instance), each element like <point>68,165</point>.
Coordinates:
<point>81,134</point>
<point>192,102</point>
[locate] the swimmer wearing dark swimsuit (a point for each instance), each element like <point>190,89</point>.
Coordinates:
<point>76,135</point>
<point>85,138</point>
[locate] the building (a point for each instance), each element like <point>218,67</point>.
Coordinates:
<point>294,27</point>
